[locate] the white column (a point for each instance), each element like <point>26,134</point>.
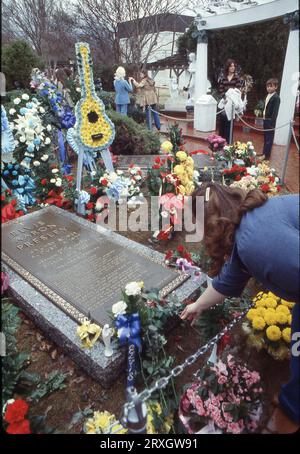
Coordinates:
<point>289,82</point>
<point>201,70</point>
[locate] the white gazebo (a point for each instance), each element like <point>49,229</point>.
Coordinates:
<point>218,14</point>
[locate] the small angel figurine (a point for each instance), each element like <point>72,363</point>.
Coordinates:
<point>107,334</point>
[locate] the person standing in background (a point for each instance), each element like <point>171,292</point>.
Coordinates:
<point>270,113</point>
<point>146,98</point>
<point>230,79</point>
<point>122,89</point>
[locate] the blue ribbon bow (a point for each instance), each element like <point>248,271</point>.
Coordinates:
<point>129,329</point>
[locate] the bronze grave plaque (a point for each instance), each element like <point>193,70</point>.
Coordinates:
<point>78,268</point>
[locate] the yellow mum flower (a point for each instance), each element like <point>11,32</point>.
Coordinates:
<point>179,170</point>
<point>283,309</point>
<point>251,314</point>
<point>190,161</point>
<point>289,319</point>
<point>181,155</point>
<point>166,147</point>
<point>270,318</point>
<point>272,295</point>
<point>281,318</point>
<point>258,323</point>
<point>270,310</point>
<point>287,303</point>
<point>273,333</point>
<point>286,335</point>
<point>261,311</point>
<point>271,302</point>
<point>260,303</point>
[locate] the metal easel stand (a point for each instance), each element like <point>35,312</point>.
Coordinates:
<point>231,125</point>
<point>286,157</point>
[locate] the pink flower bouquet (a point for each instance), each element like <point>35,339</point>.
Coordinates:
<point>226,395</point>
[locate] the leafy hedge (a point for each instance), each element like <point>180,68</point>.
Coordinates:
<point>131,137</point>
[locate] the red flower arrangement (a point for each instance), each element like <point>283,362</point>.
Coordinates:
<point>15,416</point>
<point>8,207</point>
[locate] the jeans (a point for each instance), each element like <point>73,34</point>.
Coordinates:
<point>289,396</point>
<point>149,114</point>
<point>269,138</point>
<point>122,108</point>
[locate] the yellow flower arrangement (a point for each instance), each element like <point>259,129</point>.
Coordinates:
<point>258,323</point>
<point>166,147</point>
<point>88,333</point>
<point>268,324</point>
<point>179,170</point>
<point>273,333</point>
<point>286,335</point>
<point>100,424</point>
<point>154,408</point>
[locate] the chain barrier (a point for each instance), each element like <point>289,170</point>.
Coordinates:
<point>260,129</point>
<point>176,118</point>
<point>177,370</point>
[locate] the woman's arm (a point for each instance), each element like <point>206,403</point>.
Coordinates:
<point>138,84</point>
<point>208,299</point>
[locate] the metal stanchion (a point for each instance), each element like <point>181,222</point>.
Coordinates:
<point>150,118</point>
<point>135,417</point>
<point>286,157</point>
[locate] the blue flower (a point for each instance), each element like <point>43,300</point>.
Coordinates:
<point>55,108</point>
<point>17,166</point>
<point>10,166</point>
<point>37,141</point>
<point>23,111</point>
<point>30,148</point>
<point>29,105</point>
<point>5,173</point>
<point>14,173</point>
<point>44,92</point>
<point>31,123</point>
<point>35,100</point>
<point>14,182</point>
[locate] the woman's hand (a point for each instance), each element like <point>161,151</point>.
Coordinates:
<point>192,312</point>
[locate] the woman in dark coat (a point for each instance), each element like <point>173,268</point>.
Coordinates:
<point>230,79</point>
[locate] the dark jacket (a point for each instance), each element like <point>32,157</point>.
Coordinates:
<point>272,109</point>
<point>267,248</point>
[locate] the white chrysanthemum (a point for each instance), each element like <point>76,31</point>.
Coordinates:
<point>12,111</point>
<point>58,182</point>
<point>54,170</point>
<point>25,97</point>
<point>36,163</point>
<point>45,157</point>
<point>47,140</point>
<point>48,128</point>
<point>17,101</point>
<point>53,180</point>
<point>119,308</point>
<point>134,288</point>
<point>42,110</point>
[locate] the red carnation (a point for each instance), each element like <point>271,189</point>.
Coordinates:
<point>180,249</point>
<point>43,181</point>
<point>16,411</point>
<point>169,255</point>
<point>237,177</point>
<point>2,197</point>
<point>265,187</point>
<point>69,177</point>
<point>271,179</point>
<point>104,182</point>
<point>90,217</point>
<point>93,190</point>
<point>279,188</point>
<point>155,167</point>
<point>19,428</point>
<point>89,206</point>
<point>14,202</point>
<point>157,160</point>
